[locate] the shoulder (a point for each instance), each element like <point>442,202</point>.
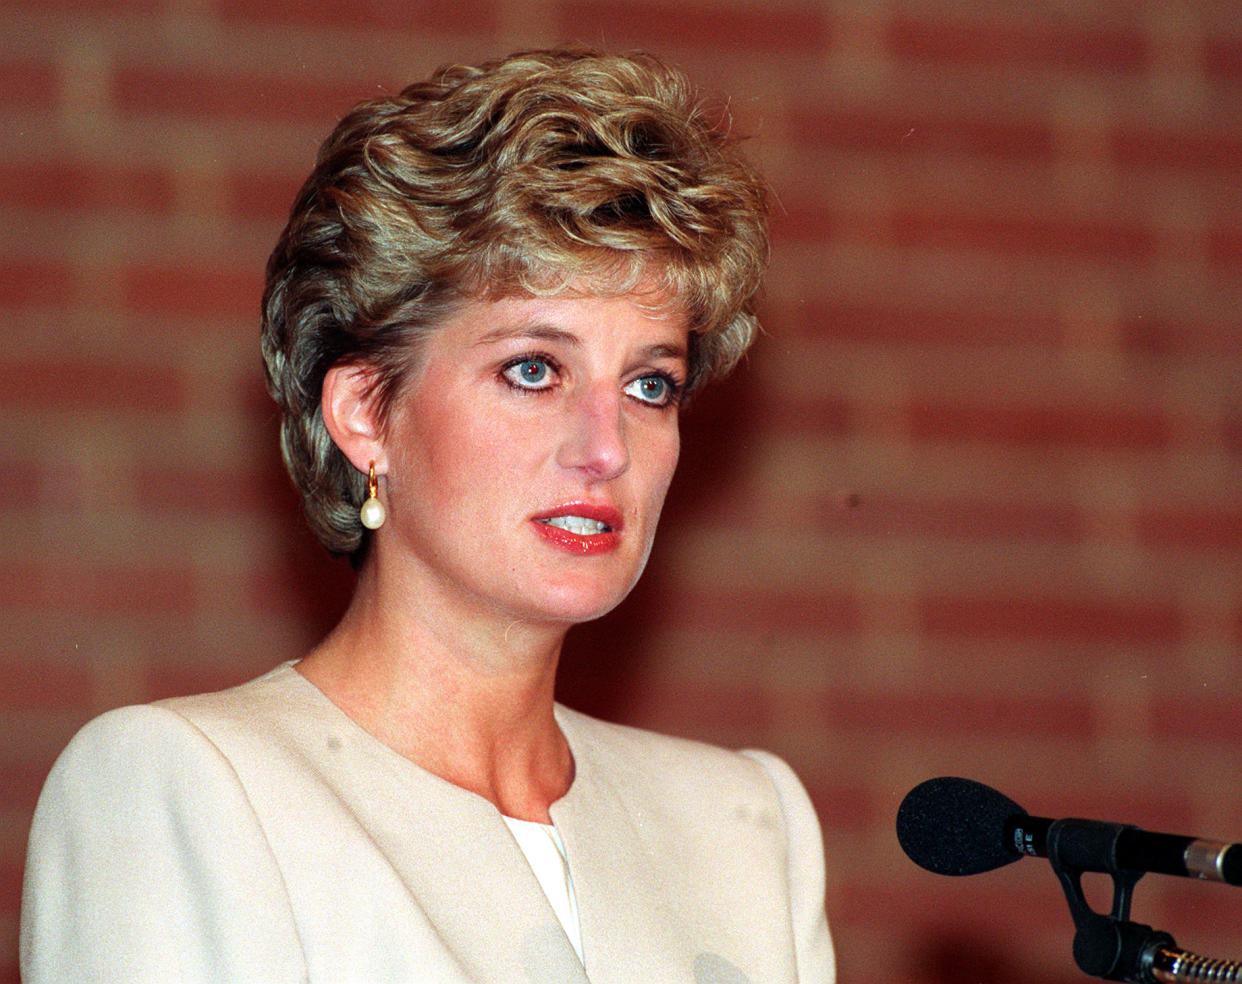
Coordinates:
<point>170,748</point>
<point>126,863</point>
<point>250,704</point>
<point>117,742</point>
<point>139,783</point>
<point>668,767</point>
<point>132,764</point>
<point>625,747</point>
<point>731,820</point>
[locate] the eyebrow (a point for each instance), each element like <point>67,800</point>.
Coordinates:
<point>550,333</point>
<point>537,331</point>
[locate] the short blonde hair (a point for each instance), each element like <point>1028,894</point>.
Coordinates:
<point>528,175</point>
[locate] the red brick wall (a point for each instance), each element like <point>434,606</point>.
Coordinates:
<point>972,507</point>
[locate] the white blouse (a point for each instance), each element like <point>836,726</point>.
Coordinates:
<point>544,849</point>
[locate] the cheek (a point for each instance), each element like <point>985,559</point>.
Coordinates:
<point>436,456</point>
<point>661,464</point>
<point>673,456</point>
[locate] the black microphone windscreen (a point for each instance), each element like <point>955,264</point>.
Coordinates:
<point>956,826</point>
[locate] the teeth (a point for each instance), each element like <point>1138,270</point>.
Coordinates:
<point>578,524</point>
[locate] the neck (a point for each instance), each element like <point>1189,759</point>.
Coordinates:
<point>465,695</point>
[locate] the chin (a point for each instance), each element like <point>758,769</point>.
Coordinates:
<point>573,604</point>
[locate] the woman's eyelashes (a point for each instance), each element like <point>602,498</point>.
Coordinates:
<point>535,373</point>
<point>657,389</point>
<point>531,373</point>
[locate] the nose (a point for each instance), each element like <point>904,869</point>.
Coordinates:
<point>594,440</point>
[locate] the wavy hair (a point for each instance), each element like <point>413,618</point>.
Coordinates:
<point>535,174</point>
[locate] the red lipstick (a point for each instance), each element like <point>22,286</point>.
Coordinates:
<point>580,528</point>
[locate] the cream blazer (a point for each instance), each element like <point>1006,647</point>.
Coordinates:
<point>259,835</point>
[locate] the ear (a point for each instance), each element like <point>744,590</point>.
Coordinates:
<point>349,408</point>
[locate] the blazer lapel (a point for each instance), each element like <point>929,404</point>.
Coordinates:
<point>628,932</point>
<point>468,882</point>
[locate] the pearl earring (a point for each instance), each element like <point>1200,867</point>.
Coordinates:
<point>372,512</point>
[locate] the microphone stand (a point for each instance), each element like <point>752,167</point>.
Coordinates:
<point>1111,946</point>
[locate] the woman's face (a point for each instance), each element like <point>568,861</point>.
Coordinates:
<point>528,455</point>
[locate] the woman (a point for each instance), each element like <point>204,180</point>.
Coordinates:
<point>493,293</point>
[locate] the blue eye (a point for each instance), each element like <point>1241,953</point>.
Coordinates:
<point>657,390</point>
<point>528,372</point>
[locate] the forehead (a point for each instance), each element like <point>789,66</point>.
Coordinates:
<point>621,321</point>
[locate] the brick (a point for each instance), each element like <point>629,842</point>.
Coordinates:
<point>766,28</point>
<point>195,94</point>
<point>205,491</point>
<point>991,904</point>
<point>10,887</point>
<point>957,42</point>
<point>1197,904</point>
<point>813,609</point>
<point>803,222</point>
<point>879,130</point>
<point>732,506</point>
<point>702,707</point>
<point>478,16</point>
<point>150,592</point>
<point>1159,809</point>
<point>1164,338</point>
<point>21,782</point>
<point>1210,718</point>
<point>166,678</point>
<point>1224,248</point>
<point>29,86</point>
<point>28,282</point>
<point>1021,235</point>
<point>96,7</point>
<point>845,808</point>
<point>896,323</point>
<point>877,514</point>
<point>42,685</point>
<point>260,196</point>
<point>257,405</point>
<point>311,585</point>
<point>1067,620</point>
<point>1001,715</point>
<point>1196,529</point>
<point>80,385</point>
<point>80,185</point>
<point>1232,433</point>
<point>965,519</point>
<point>1222,59</point>
<point>1038,427</point>
<point>820,416</point>
<point>1177,152</point>
<point>22,484</point>
<point>197,291</point>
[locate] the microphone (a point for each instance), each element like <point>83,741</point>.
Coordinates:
<point>953,826</point>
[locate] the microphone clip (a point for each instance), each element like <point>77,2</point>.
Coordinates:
<point>1107,946</point>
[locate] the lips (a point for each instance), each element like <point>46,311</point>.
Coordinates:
<point>580,528</point>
